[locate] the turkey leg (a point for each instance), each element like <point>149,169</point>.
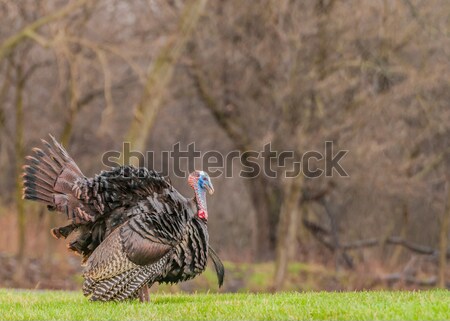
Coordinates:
<point>144,296</point>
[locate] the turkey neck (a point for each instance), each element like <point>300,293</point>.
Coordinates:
<point>200,200</point>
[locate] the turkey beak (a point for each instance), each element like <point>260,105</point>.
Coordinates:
<point>210,188</point>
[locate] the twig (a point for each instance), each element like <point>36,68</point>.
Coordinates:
<point>397,277</point>
<point>30,31</point>
<point>321,233</point>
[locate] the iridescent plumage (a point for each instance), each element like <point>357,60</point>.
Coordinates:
<point>134,228</point>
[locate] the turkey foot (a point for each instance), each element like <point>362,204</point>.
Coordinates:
<point>144,296</point>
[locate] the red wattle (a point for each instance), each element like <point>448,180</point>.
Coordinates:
<point>202,214</point>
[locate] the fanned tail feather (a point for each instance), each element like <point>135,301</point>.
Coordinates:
<point>49,173</point>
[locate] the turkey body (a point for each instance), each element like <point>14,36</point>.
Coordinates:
<point>156,243</point>
<point>132,227</point>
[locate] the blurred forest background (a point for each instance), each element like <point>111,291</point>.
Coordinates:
<point>371,76</point>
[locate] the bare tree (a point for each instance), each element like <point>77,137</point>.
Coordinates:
<point>160,74</point>
<point>237,76</point>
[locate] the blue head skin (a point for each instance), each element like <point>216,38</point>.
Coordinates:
<point>201,182</point>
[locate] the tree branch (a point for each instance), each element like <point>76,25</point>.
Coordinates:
<point>30,31</point>
<point>160,75</point>
<point>321,234</point>
<point>398,277</point>
<point>211,104</point>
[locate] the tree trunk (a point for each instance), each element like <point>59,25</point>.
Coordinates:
<point>322,10</point>
<point>443,242</point>
<point>159,76</point>
<point>19,156</point>
<point>395,258</point>
<point>263,194</point>
<point>287,229</point>
<point>265,201</point>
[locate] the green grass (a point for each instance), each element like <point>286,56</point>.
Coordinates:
<point>382,305</point>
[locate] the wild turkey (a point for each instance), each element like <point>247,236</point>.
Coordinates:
<point>133,228</point>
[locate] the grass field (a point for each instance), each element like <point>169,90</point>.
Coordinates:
<point>58,305</point>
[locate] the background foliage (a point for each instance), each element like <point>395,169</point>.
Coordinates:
<point>371,76</point>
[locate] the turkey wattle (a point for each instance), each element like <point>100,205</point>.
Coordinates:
<point>133,227</point>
